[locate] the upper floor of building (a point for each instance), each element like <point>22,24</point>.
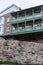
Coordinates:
<point>27,20</point>
<point>27,14</point>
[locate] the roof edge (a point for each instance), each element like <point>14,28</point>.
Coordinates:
<point>10,7</point>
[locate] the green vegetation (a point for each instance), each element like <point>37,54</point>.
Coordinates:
<point>15,63</point>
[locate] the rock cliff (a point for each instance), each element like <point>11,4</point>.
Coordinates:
<point>21,51</point>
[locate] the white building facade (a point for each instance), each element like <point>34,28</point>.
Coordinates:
<point>2,19</point>
<point>12,8</point>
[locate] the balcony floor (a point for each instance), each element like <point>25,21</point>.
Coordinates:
<point>26,18</point>
<point>27,30</point>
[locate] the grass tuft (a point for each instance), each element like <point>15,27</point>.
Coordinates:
<point>15,63</point>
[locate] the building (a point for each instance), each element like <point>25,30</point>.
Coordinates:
<point>27,21</point>
<point>5,17</point>
<point>1,25</point>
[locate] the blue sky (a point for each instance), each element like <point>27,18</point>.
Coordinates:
<point>21,3</point>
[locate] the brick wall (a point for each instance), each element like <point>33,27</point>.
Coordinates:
<point>7,24</point>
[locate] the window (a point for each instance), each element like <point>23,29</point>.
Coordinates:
<point>29,12</point>
<point>22,25</point>
<point>38,22</point>
<point>14,27</point>
<point>37,10</point>
<point>2,20</point>
<point>29,23</point>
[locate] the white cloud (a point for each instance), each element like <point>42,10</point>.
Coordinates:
<point>28,3</point>
<point>4,4</point>
<point>21,3</point>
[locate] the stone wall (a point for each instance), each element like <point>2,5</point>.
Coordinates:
<point>21,51</point>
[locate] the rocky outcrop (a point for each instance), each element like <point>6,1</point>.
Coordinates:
<point>21,51</point>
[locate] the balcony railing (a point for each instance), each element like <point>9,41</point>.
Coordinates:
<point>27,30</point>
<point>26,18</point>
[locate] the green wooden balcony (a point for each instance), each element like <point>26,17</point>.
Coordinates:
<point>27,30</point>
<point>26,18</point>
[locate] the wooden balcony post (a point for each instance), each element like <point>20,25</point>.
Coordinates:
<point>17,25</point>
<point>25,13</point>
<point>33,16</point>
<point>41,10</point>
<point>25,17</point>
<point>33,12</point>
<point>17,15</point>
<point>33,22</point>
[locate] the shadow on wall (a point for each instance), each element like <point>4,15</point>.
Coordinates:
<point>33,37</point>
